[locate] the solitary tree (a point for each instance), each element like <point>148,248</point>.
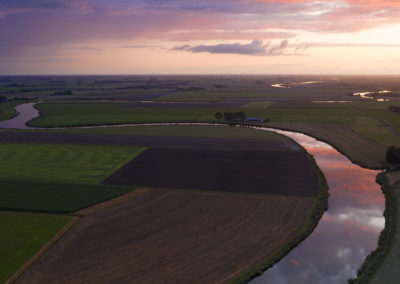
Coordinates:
<point>393,155</point>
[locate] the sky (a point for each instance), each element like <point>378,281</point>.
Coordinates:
<point>199,37</point>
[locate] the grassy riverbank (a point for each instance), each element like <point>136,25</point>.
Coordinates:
<point>380,265</point>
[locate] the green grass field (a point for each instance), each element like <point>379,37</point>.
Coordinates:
<point>53,114</point>
<point>206,131</point>
<point>21,237</point>
<point>62,163</point>
<point>54,197</point>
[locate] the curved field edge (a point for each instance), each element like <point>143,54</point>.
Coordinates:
<point>318,209</point>
<point>338,148</point>
<point>375,259</point>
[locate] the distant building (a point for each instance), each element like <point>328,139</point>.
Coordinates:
<point>254,119</point>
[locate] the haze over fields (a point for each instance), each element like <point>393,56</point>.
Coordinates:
<point>199,37</point>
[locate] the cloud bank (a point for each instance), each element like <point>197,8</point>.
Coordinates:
<point>256,47</point>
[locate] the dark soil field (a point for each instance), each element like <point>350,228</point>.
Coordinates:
<point>170,236</point>
<point>245,171</point>
<point>150,141</point>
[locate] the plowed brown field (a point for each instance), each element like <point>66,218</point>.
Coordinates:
<point>247,171</point>
<point>171,236</point>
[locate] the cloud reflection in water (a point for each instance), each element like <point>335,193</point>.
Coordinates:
<point>347,232</point>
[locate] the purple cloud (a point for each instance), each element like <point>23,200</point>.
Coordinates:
<point>256,47</point>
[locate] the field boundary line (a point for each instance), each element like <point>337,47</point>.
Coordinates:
<point>46,247</point>
<point>110,202</point>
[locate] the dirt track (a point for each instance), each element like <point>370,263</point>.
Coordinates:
<point>172,237</point>
<point>246,171</point>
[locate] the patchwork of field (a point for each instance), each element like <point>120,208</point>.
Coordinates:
<point>244,171</point>
<point>212,210</point>
<point>224,196</point>
<point>165,235</point>
<point>369,119</point>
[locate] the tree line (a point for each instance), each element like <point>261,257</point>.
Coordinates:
<point>231,116</point>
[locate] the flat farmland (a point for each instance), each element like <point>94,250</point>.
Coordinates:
<point>217,211</point>
<point>172,236</point>
<point>245,171</point>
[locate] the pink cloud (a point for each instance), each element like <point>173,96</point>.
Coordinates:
<point>225,35</point>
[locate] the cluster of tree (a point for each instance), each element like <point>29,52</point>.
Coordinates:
<point>62,93</point>
<point>219,86</point>
<point>3,99</point>
<point>395,109</point>
<point>231,116</point>
<point>393,155</point>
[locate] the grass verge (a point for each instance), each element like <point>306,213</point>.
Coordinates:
<point>375,259</point>
<point>54,197</point>
<point>320,206</point>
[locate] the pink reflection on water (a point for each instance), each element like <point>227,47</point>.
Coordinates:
<point>347,232</point>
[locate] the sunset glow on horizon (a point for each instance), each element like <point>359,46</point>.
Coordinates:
<point>199,37</point>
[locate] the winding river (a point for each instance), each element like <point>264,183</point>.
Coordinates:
<point>345,235</point>
<point>347,232</point>
<point>26,112</point>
